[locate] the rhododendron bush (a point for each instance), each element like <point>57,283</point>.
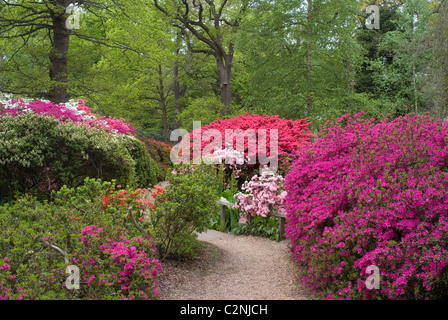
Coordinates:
<point>183,210</point>
<point>256,134</point>
<point>75,111</point>
<point>44,146</point>
<point>110,245</point>
<point>370,193</point>
<point>261,195</point>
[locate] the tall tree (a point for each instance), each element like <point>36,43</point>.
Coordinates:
<point>436,86</point>
<point>211,23</point>
<point>300,57</point>
<point>52,21</point>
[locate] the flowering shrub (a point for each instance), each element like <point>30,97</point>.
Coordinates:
<point>367,193</point>
<point>183,209</point>
<point>115,255</point>
<point>39,154</point>
<point>230,157</point>
<point>261,195</point>
<point>77,112</point>
<point>127,199</point>
<point>120,265</point>
<point>292,135</point>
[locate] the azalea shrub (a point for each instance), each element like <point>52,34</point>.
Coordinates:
<point>110,246</point>
<point>76,111</point>
<point>256,135</point>
<point>183,209</point>
<point>372,193</point>
<point>39,153</point>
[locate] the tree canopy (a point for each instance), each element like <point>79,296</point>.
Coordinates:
<point>165,63</point>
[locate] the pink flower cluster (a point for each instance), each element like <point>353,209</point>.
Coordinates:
<point>78,112</point>
<point>230,157</point>
<point>7,290</point>
<point>368,193</point>
<point>261,195</point>
<point>291,134</point>
<point>130,258</point>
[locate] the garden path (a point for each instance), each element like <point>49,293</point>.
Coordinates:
<point>232,267</point>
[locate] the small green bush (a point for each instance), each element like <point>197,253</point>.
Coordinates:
<point>185,208</point>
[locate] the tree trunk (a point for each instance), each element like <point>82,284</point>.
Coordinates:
<point>309,78</point>
<point>58,59</point>
<point>224,64</point>
<point>163,106</point>
<point>179,91</point>
<point>414,80</point>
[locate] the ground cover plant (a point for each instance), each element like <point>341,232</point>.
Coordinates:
<point>369,193</point>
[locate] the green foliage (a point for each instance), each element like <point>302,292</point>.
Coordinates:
<point>259,226</point>
<point>40,239</point>
<point>184,209</point>
<point>39,154</point>
<point>256,226</point>
<point>204,109</point>
<point>160,154</point>
<point>147,170</point>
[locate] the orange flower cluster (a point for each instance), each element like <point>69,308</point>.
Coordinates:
<point>131,198</point>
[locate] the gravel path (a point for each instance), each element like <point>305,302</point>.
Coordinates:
<point>234,267</point>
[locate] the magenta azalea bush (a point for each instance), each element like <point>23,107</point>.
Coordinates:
<point>122,267</point>
<point>77,112</point>
<point>370,193</point>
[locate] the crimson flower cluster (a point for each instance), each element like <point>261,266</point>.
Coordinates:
<point>291,134</point>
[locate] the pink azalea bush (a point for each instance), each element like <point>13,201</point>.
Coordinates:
<point>77,111</point>
<point>261,195</point>
<point>110,266</point>
<point>372,193</point>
